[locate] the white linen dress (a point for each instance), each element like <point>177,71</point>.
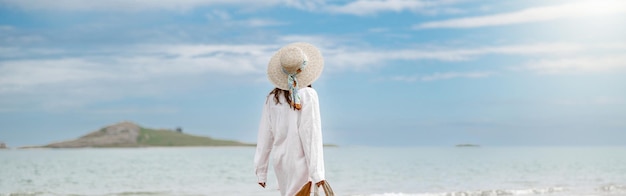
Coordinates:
<point>294,138</point>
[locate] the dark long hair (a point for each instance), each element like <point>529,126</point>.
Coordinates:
<point>276,93</point>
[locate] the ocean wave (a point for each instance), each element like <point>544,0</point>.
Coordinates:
<point>131,193</point>
<point>139,193</point>
<point>497,192</point>
<point>612,188</point>
<point>26,193</point>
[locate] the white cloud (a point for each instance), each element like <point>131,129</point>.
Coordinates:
<point>24,73</point>
<point>357,7</point>
<point>218,15</point>
<point>147,5</point>
<point>378,30</point>
<point>153,61</point>
<point>48,76</point>
<point>369,7</point>
<point>552,58</point>
<point>254,22</point>
<point>173,60</point>
<point>18,52</point>
<point>9,35</point>
<point>139,71</point>
<point>224,18</point>
<point>443,76</point>
<point>153,70</point>
<point>365,7</point>
<point>450,75</point>
<point>360,59</point>
<point>305,38</point>
<point>576,65</point>
<point>257,22</point>
<point>309,5</point>
<point>536,14</point>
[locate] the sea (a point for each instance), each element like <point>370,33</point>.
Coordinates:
<point>351,171</point>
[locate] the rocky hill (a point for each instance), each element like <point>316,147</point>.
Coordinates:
<point>128,134</point>
<point>3,145</point>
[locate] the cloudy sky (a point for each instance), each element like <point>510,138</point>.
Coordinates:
<point>398,72</point>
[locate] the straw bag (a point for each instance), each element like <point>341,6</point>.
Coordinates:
<point>306,190</point>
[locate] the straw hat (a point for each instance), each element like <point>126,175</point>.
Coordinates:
<point>289,59</point>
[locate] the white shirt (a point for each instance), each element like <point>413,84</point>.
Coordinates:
<point>294,138</point>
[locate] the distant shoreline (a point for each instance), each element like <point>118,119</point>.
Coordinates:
<point>466,145</point>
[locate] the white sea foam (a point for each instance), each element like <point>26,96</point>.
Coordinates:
<point>612,188</point>
<point>480,192</point>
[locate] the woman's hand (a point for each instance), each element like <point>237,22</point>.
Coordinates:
<point>262,184</point>
<point>320,183</point>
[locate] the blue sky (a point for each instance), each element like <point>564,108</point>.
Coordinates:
<point>398,73</point>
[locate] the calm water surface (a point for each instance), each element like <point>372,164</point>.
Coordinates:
<point>367,171</point>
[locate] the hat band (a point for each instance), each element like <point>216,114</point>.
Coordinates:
<point>292,80</point>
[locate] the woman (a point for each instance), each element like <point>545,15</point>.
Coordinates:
<point>290,126</point>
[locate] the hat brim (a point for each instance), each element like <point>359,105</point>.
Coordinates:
<point>309,74</point>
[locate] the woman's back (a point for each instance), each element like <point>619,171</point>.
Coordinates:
<point>294,137</point>
<point>290,128</point>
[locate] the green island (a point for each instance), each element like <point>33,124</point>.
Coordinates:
<point>130,135</point>
<point>155,137</point>
<point>127,134</point>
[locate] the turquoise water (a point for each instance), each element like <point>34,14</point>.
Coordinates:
<point>367,171</point>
